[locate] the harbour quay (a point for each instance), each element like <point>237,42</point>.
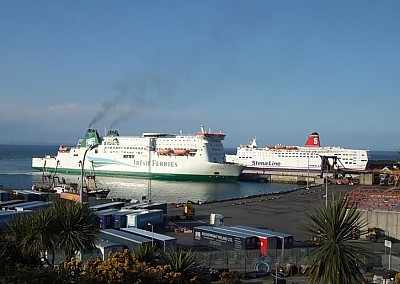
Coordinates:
<point>281,214</point>
<point>372,175</point>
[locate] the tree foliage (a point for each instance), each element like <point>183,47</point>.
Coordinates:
<point>77,225</point>
<point>65,226</point>
<point>184,262</point>
<point>125,267</point>
<point>148,253</point>
<point>336,260</point>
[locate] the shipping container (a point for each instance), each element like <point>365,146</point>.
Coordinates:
<point>10,204</point>
<point>164,242</point>
<point>219,238</point>
<point>146,206</point>
<point>103,250</point>
<point>284,241</point>
<point>119,218</point>
<point>105,218</point>
<point>126,239</point>
<point>267,241</point>
<point>140,218</point>
<point>10,215</point>
<point>216,219</point>
<point>38,195</point>
<point>75,197</point>
<point>34,205</point>
<point>5,195</point>
<point>29,195</point>
<point>110,205</point>
<point>151,205</point>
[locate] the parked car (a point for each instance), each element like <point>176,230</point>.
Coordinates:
<point>172,227</point>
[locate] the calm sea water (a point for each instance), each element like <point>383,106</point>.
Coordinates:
<point>16,172</point>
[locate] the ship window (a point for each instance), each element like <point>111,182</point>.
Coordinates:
<point>128,156</point>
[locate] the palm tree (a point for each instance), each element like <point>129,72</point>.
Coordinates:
<point>147,253</point>
<point>31,236</point>
<point>65,226</point>
<point>335,261</point>
<point>78,227</point>
<point>15,245</point>
<point>42,234</point>
<point>185,262</point>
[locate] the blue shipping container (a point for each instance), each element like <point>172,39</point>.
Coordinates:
<point>141,218</point>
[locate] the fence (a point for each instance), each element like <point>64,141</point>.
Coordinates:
<point>252,260</point>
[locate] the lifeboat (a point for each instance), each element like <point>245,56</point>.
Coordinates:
<point>291,147</point>
<point>280,146</point>
<point>216,135</point>
<point>181,152</point>
<point>64,149</point>
<point>164,151</point>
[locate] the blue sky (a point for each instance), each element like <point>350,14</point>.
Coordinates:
<point>277,70</point>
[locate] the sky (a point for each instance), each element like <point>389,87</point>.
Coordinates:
<point>274,70</point>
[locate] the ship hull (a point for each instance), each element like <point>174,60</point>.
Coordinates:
<point>210,172</point>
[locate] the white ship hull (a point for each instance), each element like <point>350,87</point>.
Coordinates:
<point>298,160</point>
<point>152,155</point>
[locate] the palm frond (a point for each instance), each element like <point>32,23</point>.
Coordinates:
<point>335,260</point>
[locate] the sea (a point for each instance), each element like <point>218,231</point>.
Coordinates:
<point>16,173</point>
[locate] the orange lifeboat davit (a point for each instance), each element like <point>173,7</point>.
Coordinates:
<point>164,151</point>
<point>64,148</point>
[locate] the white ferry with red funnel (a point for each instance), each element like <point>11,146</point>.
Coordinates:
<point>297,160</point>
<point>199,157</point>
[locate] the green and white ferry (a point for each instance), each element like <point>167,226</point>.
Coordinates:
<point>162,156</point>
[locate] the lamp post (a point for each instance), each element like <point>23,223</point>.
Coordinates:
<point>152,233</point>
<point>308,170</point>
<point>326,187</point>
<point>83,168</point>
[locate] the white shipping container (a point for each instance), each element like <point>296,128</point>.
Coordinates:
<point>216,219</point>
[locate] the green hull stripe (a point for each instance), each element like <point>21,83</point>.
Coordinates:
<point>155,176</point>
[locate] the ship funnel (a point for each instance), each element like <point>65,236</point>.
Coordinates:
<point>92,137</point>
<point>112,133</point>
<point>313,140</point>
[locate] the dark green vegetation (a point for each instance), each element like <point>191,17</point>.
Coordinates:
<point>335,260</point>
<point>29,243</point>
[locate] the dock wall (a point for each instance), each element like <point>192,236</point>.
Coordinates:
<point>366,178</point>
<point>385,220</point>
